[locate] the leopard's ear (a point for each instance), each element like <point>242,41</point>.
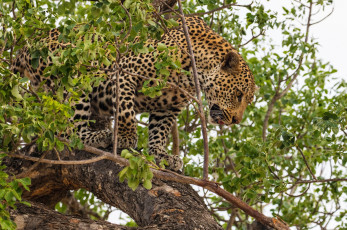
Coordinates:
<point>231,63</point>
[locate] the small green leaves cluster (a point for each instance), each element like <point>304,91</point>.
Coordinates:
<point>138,170</point>
<point>25,115</point>
<point>10,195</point>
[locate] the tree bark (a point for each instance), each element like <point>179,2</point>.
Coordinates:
<point>38,216</point>
<point>168,205</point>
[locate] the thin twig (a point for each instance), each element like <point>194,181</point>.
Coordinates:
<point>198,92</point>
<point>167,32</point>
<point>4,60</point>
<point>57,153</point>
<point>313,23</point>
<point>175,139</point>
<point>231,219</point>
<point>219,8</point>
<point>3,48</point>
<point>301,194</point>
<point>262,32</point>
<point>278,95</point>
<point>130,23</point>
<point>116,114</point>
<point>321,180</point>
<point>13,10</point>
<point>27,172</point>
<point>308,167</point>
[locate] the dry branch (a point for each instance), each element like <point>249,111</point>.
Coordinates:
<point>198,91</point>
<point>278,95</point>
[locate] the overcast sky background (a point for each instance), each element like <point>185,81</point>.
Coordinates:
<point>331,34</point>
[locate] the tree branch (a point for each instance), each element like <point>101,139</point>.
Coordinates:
<point>198,92</point>
<point>104,183</point>
<point>38,216</point>
<point>308,167</point>
<point>168,205</point>
<point>218,9</point>
<point>278,95</point>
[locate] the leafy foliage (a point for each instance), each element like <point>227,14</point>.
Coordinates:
<point>138,170</point>
<point>10,194</point>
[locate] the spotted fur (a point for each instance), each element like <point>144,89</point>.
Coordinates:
<point>224,77</point>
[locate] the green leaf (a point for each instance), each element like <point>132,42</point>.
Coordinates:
<point>25,182</point>
<point>127,3</point>
<point>149,175</point>
<point>128,155</point>
<point>50,135</point>
<point>60,145</point>
<point>124,152</point>
<point>106,61</point>
<point>247,159</point>
<point>9,196</point>
<point>15,92</point>
<point>133,183</point>
<point>147,184</point>
<point>80,144</point>
<point>35,62</point>
<point>122,174</point>
<point>26,203</point>
<point>165,72</point>
<point>161,46</point>
<point>329,115</point>
<point>173,22</point>
<point>133,163</point>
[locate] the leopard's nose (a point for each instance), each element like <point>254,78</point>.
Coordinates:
<point>235,120</point>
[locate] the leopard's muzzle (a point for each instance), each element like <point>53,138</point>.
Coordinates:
<point>221,117</point>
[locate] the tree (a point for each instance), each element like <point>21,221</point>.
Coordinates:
<point>286,159</point>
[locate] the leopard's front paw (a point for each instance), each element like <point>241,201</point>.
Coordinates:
<point>174,162</point>
<point>97,139</point>
<point>127,142</point>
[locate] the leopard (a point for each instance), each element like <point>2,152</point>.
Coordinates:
<point>223,76</point>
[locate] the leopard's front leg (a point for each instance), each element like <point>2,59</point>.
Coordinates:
<point>97,138</point>
<point>127,125</point>
<point>160,123</point>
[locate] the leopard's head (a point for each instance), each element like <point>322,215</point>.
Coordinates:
<point>230,91</point>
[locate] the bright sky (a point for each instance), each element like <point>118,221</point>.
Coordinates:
<point>331,34</point>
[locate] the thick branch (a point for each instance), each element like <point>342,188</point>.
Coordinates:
<point>170,205</point>
<point>101,179</point>
<point>39,216</point>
